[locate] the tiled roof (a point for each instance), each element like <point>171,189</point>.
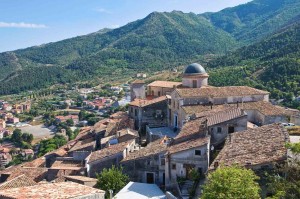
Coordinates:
<point>20,181</point>
<point>50,191</point>
<point>158,146</point>
<point>219,91</point>
<point>67,164</point>
<point>264,107</point>
<point>188,144</point>
<point>81,178</point>
<point>196,109</point>
<point>165,84</point>
<point>109,151</point>
<point>81,145</point>
<point>36,174</point>
<point>256,146</point>
<point>193,127</point>
<point>39,162</point>
<point>223,116</point>
<point>145,102</point>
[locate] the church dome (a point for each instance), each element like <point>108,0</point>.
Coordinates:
<point>194,69</point>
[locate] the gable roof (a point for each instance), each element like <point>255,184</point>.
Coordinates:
<point>256,146</point>
<point>188,144</point>
<point>145,102</point>
<point>216,92</point>
<point>156,147</point>
<point>109,151</point>
<point>50,191</point>
<point>20,181</point>
<point>165,84</point>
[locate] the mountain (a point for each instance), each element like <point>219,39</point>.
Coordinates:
<point>272,64</point>
<point>255,20</point>
<point>159,41</point>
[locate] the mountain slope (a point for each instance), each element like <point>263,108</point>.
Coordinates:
<point>161,40</point>
<point>272,64</point>
<point>255,20</point>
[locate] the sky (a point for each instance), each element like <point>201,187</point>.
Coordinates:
<point>25,23</point>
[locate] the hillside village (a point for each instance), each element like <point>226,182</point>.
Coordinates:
<point>170,132</point>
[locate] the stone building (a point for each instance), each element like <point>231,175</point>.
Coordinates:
<point>149,112</point>
<point>254,148</point>
<point>196,91</point>
<point>161,88</point>
<point>137,90</point>
<point>148,164</point>
<point>105,158</point>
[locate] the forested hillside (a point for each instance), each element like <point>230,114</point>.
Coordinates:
<point>255,20</point>
<point>162,41</point>
<point>159,41</point>
<point>272,64</point>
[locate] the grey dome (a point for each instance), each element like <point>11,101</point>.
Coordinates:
<point>194,69</point>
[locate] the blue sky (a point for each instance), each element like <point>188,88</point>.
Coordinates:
<point>25,23</point>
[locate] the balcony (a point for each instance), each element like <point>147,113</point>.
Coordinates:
<point>190,160</point>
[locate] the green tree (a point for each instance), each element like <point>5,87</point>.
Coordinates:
<point>112,179</point>
<point>231,183</point>
<point>70,122</point>
<point>16,136</point>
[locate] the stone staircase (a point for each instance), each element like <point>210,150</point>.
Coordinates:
<point>185,189</point>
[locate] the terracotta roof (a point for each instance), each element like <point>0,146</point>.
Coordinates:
<point>188,144</point>
<point>194,109</point>
<point>158,146</point>
<point>219,91</point>
<point>81,178</point>
<point>20,181</point>
<point>50,191</point>
<point>109,151</point>
<point>36,174</point>
<point>144,102</point>
<point>67,164</point>
<point>266,108</point>
<point>165,84</point>
<point>223,116</point>
<point>193,127</point>
<point>256,146</point>
<point>81,145</point>
<point>39,162</point>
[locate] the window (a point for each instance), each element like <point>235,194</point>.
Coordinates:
<point>173,166</point>
<point>158,93</point>
<point>194,83</point>
<point>152,93</point>
<point>162,161</point>
<point>197,152</point>
<point>158,112</point>
<point>219,130</point>
<point>135,112</point>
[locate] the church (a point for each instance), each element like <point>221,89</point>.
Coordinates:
<point>178,102</point>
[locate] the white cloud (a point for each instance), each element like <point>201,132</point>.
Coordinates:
<point>102,10</point>
<point>21,25</point>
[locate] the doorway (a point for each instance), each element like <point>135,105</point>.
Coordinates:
<point>175,121</point>
<point>150,178</point>
<point>230,129</point>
